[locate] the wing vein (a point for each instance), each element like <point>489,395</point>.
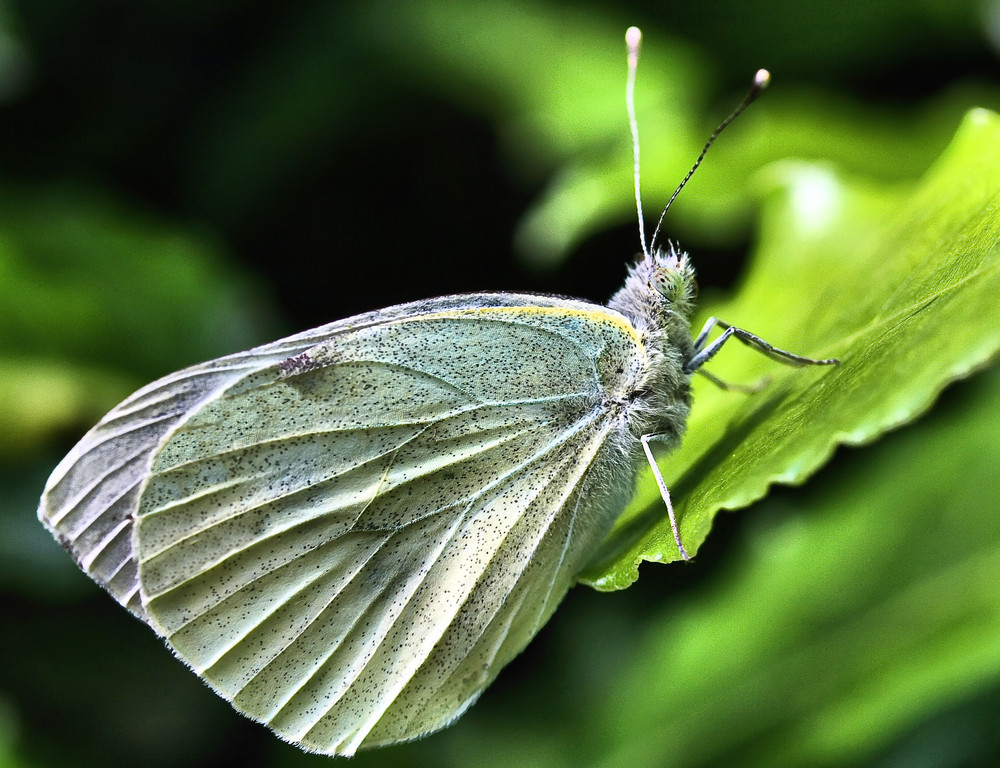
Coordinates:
<point>386,700</point>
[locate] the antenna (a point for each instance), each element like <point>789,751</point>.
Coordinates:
<point>760,82</point>
<point>633,38</point>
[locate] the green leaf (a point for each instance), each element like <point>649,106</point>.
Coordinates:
<point>847,618</point>
<point>903,293</point>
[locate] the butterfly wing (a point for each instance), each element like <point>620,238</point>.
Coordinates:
<point>92,497</point>
<point>348,534</point>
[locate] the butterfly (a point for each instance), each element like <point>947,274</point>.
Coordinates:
<point>348,532</point>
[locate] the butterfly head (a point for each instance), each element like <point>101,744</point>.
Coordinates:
<point>659,292</point>
<point>671,277</point>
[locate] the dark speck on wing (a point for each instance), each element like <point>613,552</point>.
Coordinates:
<point>300,363</point>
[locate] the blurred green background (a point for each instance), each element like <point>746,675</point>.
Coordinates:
<point>182,180</point>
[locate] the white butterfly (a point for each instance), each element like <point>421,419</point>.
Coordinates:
<point>347,533</point>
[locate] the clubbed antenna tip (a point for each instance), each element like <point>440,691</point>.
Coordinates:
<point>633,37</point>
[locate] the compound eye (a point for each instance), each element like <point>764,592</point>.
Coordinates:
<point>669,284</point>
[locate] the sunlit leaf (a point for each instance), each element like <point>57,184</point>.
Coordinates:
<point>854,614</point>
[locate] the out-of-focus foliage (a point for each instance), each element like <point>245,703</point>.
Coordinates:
<point>90,289</point>
<point>184,179</point>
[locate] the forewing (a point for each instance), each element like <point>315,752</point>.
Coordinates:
<point>91,498</point>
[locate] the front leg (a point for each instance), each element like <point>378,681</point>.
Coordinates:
<point>705,353</point>
<point>664,493</point>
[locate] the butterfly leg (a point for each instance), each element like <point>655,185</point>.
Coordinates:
<point>705,352</point>
<point>747,389</point>
<point>663,491</point>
